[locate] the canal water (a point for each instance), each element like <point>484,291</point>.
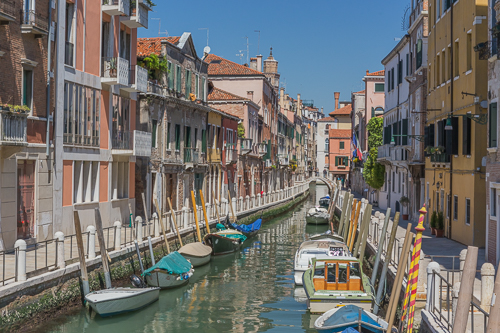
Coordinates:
<point>249,291</point>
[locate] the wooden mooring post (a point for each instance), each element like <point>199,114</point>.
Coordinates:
<point>380,246</point>
<point>102,247</point>
<point>466,290</point>
<point>81,253</point>
<point>364,237</point>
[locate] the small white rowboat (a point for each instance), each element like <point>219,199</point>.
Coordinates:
<point>109,302</point>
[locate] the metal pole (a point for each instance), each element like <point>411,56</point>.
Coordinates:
<point>175,222</point>
<point>466,289</point>
<point>102,246</point>
<point>139,255</point>
<point>153,261</point>
<point>81,254</point>
<point>380,246</point>
<point>386,263</point>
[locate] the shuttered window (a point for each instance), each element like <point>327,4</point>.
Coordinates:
<point>493,125</point>
<point>153,133</point>
<point>466,139</point>
<point>177,137</point>
<point>341,145</point>
<point>170,76</point>
<point>336,160</point>
<point>168,136</point>
<point>204,141</point>
<point>405,132</point>
<point>188,82</point>
<point>178,78</point>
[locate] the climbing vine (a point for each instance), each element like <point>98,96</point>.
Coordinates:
<point>373,172</point>
<point>375,129</point>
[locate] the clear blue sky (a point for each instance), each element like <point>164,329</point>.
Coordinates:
<point>322,46</point>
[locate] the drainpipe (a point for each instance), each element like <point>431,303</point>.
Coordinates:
<point>451,108</point>
<point>49,57</point>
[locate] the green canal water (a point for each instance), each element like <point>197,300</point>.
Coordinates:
<point>248,291</point>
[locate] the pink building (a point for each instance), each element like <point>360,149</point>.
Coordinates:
<point>339,148</point>
<point>374,102</point>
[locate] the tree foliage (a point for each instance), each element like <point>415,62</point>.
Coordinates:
<point>373,172</point>
<point>155,66</point>
<point>241,131</point>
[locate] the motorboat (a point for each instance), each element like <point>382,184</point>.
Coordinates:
<point>173,270</point>
<point>197,253</point>
<point>350,316</point>
<point>311,249</point>
<point>317,215</point>
<point>324,201</point>
<point>224,241</point>
<point>114,301</point>
<point>331,282</point>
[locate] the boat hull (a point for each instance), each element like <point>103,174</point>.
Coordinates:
<point>197,261</point>
<point>297,276</point>
<point>164,280</point>
<point>316,220</point>
<point>223,245</point>
<point>316,305</point>
<point>134,300</point>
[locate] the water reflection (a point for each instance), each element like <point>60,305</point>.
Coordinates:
<point>249,291</point>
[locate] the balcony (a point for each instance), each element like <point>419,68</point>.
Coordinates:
<point>155,88</point>
<point>188,155</point>
<point>283,160</point>
<point>68,54</point>
<point>246,146</point>
<point>231,154</point>
<point>138,15</point>
<point>34,23</point>
<point>7,11</point>
<point>384,152</point>
<point>13,128</point>
<point>214,155</point>
<point>261,149</point>
<point>116,7</point>
<point>440,158</point>
<point>115,70</point>
<point>142,143</point>
<point>122,142</point>
<point>138,80</point>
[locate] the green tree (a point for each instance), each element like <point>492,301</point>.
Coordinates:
<point>373,172</point>
<point>241,131</point>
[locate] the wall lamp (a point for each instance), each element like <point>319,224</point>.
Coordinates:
<point>481,119</point>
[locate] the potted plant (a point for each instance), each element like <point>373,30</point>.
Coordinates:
<point>440,225</point>
<point>433,223</point>
<point>405,201</point>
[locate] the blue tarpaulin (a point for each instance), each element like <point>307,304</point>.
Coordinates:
<point>248,228</point>
<point>173,263</point>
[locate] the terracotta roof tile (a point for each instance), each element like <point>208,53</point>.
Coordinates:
<point>339,133</point>
<point>326,119</point>
<point>345,111</point>
<point>226,113</point>
<point>220,66</point>
<point>378,73</point>
<point>220,95</point>
<point>359,92</point>
<point>146,46</point>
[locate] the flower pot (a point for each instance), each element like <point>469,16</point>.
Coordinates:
<point>439,233</point>
<point>433,231</point>
<point>405,216</point>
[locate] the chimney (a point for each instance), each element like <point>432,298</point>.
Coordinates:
<point>367,72</point>
<point>250,95</point>
<point>253,63</point>
<point>299,110</point>
<point>259,63</point>
<point>321,109</point>
<point>337,96</point>
<point>282,98</point>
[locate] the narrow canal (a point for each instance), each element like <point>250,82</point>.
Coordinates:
<point>249,291</point>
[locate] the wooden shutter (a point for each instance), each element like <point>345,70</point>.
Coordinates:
<point>454,136</point>
<point>466,136</point>
<point>493,125</point>
<point>177,137</point>
<point>346,161</point>
<point>431,135</point>
<point>336,160</point>
<point>405,132</point>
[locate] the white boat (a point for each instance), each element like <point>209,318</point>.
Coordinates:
<point>317,215</point>
<point>109,302</point>
<point>173,270</point>
<point>311,249</point>
<point>197,253</point>
<point>341,318</point>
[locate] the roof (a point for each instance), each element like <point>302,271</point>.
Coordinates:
<point>220,95</point>
<point>340,133</point>
<point>224,113</point>
<point>345,111</point>
<point>220,66</point>
<point>377,73</point>
<point>360,92</point>
<point>146,46</point>
<point>326,119</point>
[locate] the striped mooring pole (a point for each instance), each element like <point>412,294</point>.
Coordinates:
<point>411,288</point>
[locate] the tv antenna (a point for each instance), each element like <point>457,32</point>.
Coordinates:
<point>405,21</point>
<point>159,26</point>
<point>248,53</point>
<point>240,54</point>
<point>207,32</point>
<point>258,44</point>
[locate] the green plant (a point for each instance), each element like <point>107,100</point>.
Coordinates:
<point>112,63</point>
<point>375,129</point>
<point>434,220</point>
<point>16,108</point>
<point>155,66</point>
<point>404,201</point>
<point>241,131</point>
<point>373,172</point>
<point>440,221</point>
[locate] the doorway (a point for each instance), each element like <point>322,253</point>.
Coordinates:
<point>25,199</point>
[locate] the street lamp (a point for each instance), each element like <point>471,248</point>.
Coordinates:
<point>417,137</point>
<point>448,126</point>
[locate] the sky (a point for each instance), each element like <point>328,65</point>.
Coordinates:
<point>321,46</point>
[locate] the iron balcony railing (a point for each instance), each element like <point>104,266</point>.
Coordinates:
<point>68,54</point>
<point>122,139</point>
<point>30,17</point>
<point>231,154</point>
<point>8,7</point>
<point>188,155</point>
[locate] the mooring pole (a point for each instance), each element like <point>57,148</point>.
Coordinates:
<point>161,225</point>
<point>196,217</point>
<point>139,255</point>
<point>494,319</point>
<point>347,217</point>
<point>172,213</point>
<point>81,253</point>
<point>368,211</point>
<point>205,210</point>
<point>153,261</point>
<point>343,212</point>
<point>466,290</point>
<point>102,247</point>
<point>387,260</point>
<point>396,287</point>
<point>354,227</point>
<point>367,215</point>
<point>380,246</point>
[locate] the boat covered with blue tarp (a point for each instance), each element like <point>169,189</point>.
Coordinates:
<point>248,230</point>
<point>173,263</point>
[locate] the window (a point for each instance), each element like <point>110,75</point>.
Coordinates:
<point>438,9</point>
<point>448,206</point>
<point>327,145</point>
<point>28,88</point>
<point>341,145</point>
<point>69,47</point>
<point>449,63</point>
<point>467,211</point>
<point>177,137</point>
<point>466,139</point>
<point>443,67</point>
<point>392,79</point>
<point>493,128</point>
<point>195,139</point>
<point>153,133</point>
<point>400,72</point>
<point>168,136</point>
<point>393,182</point>
<point>399,182</point>
<point>469,52</point>
<point>442,200</point>
<point>178,79</point>
<point>455,207</point>
<point>493,202</point>
<point>385,182</point>
<point>197,86</point>
<point>204,141</point>
<point>379,87</point>
<point>438,70</point>
<point>341,161</point>
<point>203,83</point>
<point>85,182</point>
<point>188,82</point>
<point>120,180</point>
<point>171,76</point>
<point>82,107</point>
<point>456,61</point>
<point>419,53</point>
<point>407,64</point>
<point>388,81</point>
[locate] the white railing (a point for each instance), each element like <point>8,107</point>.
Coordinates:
<point>142,143</point>
<point>13,127</point>
<point>141,79</point>
<point>123,72</point>
<point>116,7</point>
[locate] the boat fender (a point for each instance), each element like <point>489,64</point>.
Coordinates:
<point>137,281</point>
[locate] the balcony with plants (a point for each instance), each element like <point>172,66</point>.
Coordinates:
<point>13,124</point>
<point>116,7</point>
<point>115,70</point>
<point>139,12</point>
<point>34,22</point>
<point>7,11</point>
<point>153,69</point>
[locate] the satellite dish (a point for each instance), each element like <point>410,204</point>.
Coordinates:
<point>206,49</point>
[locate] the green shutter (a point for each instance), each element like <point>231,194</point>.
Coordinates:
<point>493,125</point>
<point>170,76</point>
<point>341,145</point>
<point>346,161</point>
<point>188,82</point>
<point>168,135</point>
<point>153,134</point>
<point>204,141</point>
<point>179,78</point>
<point>177,137</point>
<point>336,160</point>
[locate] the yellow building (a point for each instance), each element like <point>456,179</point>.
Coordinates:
<point>455,130</point>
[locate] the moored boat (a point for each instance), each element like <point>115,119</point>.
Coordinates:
<point>197,253</point>
<point>109,302</point>
<point>324,201</point>
<point>317,215</point>
<point>350,316</point>
<point>336,281</point>
<point>311,249</point>
<point>173,270</point>
<point>249,230</point>
<point>328,235</point>
<point>224,241</point>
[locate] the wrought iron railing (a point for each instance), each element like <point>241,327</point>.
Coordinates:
<point>8,7</point>
<point>122,139</point>
<point>31,17</point>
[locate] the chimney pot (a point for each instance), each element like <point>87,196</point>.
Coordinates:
<point>337,97</point>
<point>367,72</point>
